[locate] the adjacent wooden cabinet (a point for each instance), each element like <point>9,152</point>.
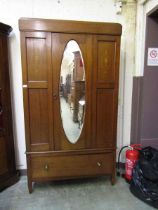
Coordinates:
<point>8,173</point>
<point>50,155</point>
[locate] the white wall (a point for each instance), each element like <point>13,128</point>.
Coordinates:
<point>88,10</point>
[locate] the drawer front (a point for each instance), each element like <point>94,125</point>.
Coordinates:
<point>71,166</point>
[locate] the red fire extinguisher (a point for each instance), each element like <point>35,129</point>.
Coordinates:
<point>132,155</point>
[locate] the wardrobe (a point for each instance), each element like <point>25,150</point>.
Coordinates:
<point>50,153</point>
<point>8,172</point>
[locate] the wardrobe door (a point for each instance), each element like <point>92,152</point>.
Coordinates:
<point>59,45</point>
<point>37,89</point>
<point>105,90</point>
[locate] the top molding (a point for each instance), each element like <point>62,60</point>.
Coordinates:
<point>69,26</point>
<point>5,29</point>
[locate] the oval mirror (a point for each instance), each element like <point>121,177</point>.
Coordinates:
<point>72,91</point>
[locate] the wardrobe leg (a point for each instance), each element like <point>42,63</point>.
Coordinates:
<point>30,186</point>
<point>113,179</point>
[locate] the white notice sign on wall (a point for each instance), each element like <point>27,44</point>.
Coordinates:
<point>152,57</point>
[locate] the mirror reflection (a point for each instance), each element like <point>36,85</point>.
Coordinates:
<point>72,91</point>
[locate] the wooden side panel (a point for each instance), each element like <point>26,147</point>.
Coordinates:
<point>105,90</point>
<point>105,117</point>
<point>7,143</point>
<point>37,84</point>
<point>39,116</point>
<point>3,157</point>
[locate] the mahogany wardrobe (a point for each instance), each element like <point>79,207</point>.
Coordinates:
<point>8,173</point>
<point>88,88</point>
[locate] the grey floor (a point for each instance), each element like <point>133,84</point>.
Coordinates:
<point>86,194</point>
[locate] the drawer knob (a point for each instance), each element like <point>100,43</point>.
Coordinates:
<point>46,167</point>
<point>98,164</point>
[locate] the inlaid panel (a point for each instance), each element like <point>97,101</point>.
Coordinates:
<point>36,59</point>
<point>106,61</point>
<point>105,117</point>
<point>39,123</point>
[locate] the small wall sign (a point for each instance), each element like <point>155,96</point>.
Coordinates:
<point>152,57</point>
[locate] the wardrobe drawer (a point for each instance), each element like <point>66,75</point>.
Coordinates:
<point>69,166</point>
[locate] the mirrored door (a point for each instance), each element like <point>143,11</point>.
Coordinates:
<point>71,57</point>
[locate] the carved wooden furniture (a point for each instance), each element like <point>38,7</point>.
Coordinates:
<point>50,155</point>
<point>8,173</point>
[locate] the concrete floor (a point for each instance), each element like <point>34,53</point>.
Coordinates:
<point>85,194</point>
